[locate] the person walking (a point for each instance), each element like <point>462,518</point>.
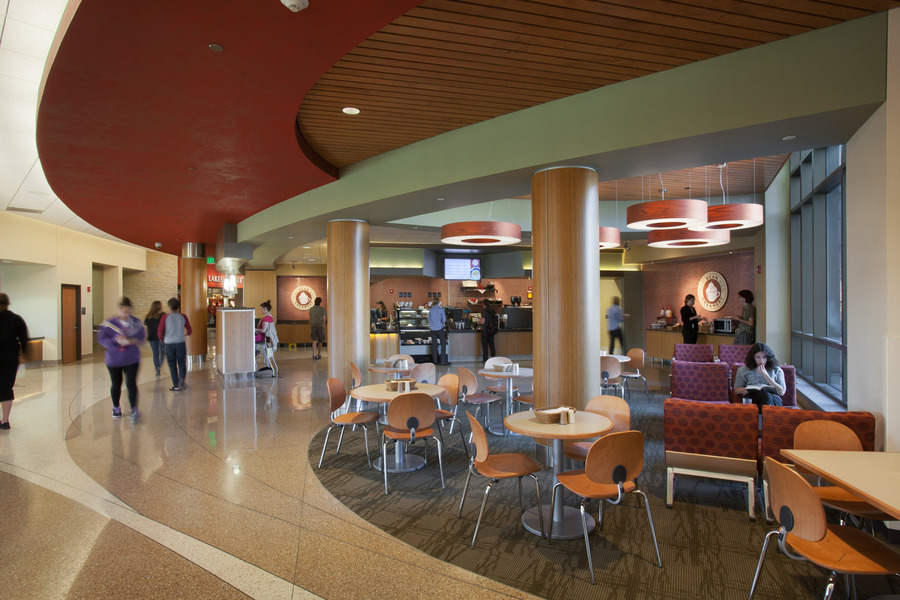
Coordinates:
<point>614,322</point>
<point>151,322</point>
<point>437,321</point>
<point>121,335</point>
<point>317,319</point>
<point>173,327</point>
<point>13,337</point>
<point>490,323</point>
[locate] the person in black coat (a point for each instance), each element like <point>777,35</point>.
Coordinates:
<point>691,320</point>
<point>13,337</point>
<point>490,323</point>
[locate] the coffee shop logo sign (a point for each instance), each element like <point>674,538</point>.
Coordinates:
<point>303,297</point>
<point>712,291</point>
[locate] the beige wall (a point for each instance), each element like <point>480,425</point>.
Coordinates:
<point>259,286</point>
<point>773,284</point>
<point>873,251</point>
<point>45,257</point>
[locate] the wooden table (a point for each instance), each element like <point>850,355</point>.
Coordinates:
<point>378,392</point>
<point>875,476</point>
<point>389,370</point>
<point>566,519</point>
<point>507,376</point>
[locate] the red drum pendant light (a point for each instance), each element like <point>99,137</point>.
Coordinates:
<point>609,238</point>
<point>734,216</point>
<point>481,233</point>
<point>685,238</point>
<point>666,214</point>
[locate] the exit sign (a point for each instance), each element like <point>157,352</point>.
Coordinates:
<point>210,260</point>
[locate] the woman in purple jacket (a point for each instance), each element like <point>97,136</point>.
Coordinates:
<point>122,335</point>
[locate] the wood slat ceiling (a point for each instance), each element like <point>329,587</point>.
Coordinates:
<point>451,63</point>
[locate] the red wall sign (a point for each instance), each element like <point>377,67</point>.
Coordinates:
<point>214,279</point>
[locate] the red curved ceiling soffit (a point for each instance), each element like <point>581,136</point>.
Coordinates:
<point>147,134</point>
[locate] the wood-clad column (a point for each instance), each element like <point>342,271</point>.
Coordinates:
<point>566,262</point>
<point>348,297</point>
<point>193,299</point>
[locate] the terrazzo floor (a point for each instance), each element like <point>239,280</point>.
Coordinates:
<point>208,495</point>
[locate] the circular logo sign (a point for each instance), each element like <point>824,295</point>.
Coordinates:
<point>303,297</point>
<point>712,291</point>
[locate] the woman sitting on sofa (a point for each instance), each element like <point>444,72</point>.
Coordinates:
<point>760,380</point>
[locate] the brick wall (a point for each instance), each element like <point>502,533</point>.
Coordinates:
<point>158,282</point>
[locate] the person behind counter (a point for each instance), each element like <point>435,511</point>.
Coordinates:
<point>382,320</point>
<point>490,323</point>
<point>691,320</point>
<point>746,331</point>
<point>760,380</point>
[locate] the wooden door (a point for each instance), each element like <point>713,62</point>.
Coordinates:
<point>70,334</point>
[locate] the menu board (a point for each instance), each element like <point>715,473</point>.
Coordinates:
<point>462,269</point>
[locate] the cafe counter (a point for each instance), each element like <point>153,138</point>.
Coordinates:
<point>661,342</point>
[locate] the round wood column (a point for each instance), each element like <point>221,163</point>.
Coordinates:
<point>566,270</point>
<point>193,299</point>
<point>348,297</point>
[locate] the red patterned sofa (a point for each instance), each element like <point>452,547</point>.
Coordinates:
<point>779,424</point>
<point>702,381</point>
<point>733,353</point>
<point>730,441</point>
<point>705,439</point>
<point>694,352</point>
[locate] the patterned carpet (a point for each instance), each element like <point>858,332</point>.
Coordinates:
<point>708,545</point>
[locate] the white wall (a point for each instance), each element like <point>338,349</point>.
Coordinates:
<point>773,285</point>
<point>47,256</point>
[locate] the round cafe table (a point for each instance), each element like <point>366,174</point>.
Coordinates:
<point>507,405</point>
<point>566,519</point>
<point>378,392</point>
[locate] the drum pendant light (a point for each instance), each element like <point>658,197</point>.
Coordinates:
<point>686,238</point>
<point>733,216</point>
<point>481,233</point>
<point>609,238</point>
<point>666,214</point>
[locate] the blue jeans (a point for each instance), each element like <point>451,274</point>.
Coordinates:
<point>176,355</point>
<point>158,349</point>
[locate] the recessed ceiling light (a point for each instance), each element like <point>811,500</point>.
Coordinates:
<point>216,47</point>
<point>440,199</point>
<point>290,237</point>
<point>350,110</point>
<point>192,168</point>
<point>788,138</point>
<point>306,247</point>
<point>39,193</point>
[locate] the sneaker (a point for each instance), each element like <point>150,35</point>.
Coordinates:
<point>135,414</point>
<point>4,425</point>
<point>175,389</point>
<point>117,413</point>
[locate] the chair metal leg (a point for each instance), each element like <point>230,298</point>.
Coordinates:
<point>587,543</point>
<point>552,508</point>
<point>340,439</point>
<point>537,492</point>
<point>829,588</point>
<point>441,461</point>
<point>670,486</point>
<point>456,408</point>
<point>600,514</point>
<point>325,445</point>
<point>384,465</point>
<point>461,436</point>
<point>652,528</point>
<point>465,490</point>
<point>487,490</point>
<point>521,497</point>
<point>366,436</point>
<point>759,564</point>
<point>751,500</point>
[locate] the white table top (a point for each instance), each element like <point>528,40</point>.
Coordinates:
<point>523,372</point>
<point>586,425</point>
<point>387,369</point>
<point>873,475</point>
<point>378,392</point>
<point>622,358</point>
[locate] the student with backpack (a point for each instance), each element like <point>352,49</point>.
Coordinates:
<point>490,323</point>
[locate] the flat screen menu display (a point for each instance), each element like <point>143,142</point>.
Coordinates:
<point>462,269</point>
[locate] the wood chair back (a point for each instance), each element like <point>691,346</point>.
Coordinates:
<point>496,360</point>
<point>610,367</point>
<point>637,359</point>
<point>414,410</point>
<point>450,383</point>
<point>424,373</point>
<point>409,359</point>
<point>479,438</point>
<point>356,379</point>
<point>826,435</point>
<point>337,393</point>
<point>616,458</point>
<point>795,504</point>
<point>613,407</point>
<point>467,382</point>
